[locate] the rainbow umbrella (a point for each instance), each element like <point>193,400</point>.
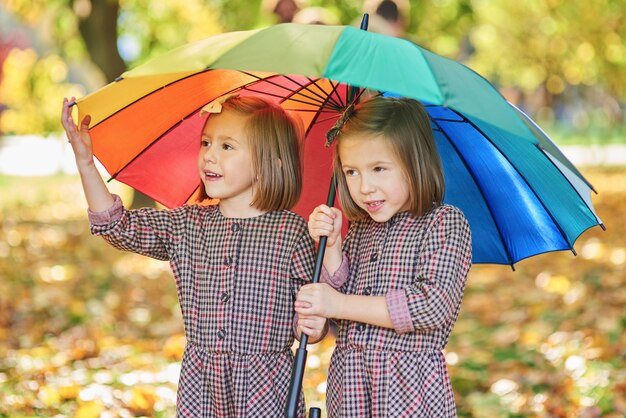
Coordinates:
<point>520,194</point>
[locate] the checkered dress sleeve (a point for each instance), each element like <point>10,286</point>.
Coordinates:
<point>146,231</point>
<point>443,264</point>
<point>303,261</point>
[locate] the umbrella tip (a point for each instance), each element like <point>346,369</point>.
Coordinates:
<point>365,21</point>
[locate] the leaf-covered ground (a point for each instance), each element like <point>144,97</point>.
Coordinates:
<point>88,331</point>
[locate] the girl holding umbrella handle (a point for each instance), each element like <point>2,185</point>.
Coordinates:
<point>237,264</point>
<point>396,285</point>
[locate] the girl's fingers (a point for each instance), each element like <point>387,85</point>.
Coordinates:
<point>306,310</point>
<point>84,126</point>
<point>310,331</point>
<point>319,219</point>
<point>301,304</point>
<point>310,324</point>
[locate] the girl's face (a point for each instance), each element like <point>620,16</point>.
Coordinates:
<point>225,163</point>
<point>374,176</point>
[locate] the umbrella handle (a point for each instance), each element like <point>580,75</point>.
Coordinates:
<point>297,370</point>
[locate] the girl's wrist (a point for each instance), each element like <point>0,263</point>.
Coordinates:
<point>341,306</point>
<point>85,166</point>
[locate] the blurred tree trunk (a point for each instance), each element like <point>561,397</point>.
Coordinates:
<point>99,31</point>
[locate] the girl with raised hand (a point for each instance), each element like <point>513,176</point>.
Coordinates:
<point>237,264</point>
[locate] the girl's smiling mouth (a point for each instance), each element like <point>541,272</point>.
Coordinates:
<point>374,205</point>
<point>211,176</point>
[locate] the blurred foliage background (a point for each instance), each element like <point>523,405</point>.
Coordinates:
<point>88,331</point>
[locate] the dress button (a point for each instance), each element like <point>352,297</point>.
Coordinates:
<point>235,227</point>
<point>360,327</point>
<point>225,296</point>
<point>374,257</point>
<point>228,260</point>
<point>221,334</point>
<point>367,291</point>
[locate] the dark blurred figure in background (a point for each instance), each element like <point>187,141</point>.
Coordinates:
<point>281,11</point>
<point>389,17</point>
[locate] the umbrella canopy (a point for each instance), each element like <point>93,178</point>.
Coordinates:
<point>520,194</point>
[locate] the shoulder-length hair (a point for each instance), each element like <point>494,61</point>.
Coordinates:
<point>405,125</point>
<point>276,140</point>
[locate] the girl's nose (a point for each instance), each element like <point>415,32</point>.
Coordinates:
<point>208,154</point>
<point>367,186</point>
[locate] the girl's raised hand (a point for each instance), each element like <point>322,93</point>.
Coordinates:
<point>325,221</point>
<point>79,138</point>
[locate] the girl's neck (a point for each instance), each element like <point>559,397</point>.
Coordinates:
<point>238,210</point>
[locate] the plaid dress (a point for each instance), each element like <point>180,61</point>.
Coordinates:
<point>236,280</point>
<point>420,265</point>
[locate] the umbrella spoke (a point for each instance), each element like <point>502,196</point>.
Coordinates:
<point>314,102</point>
<point>279,96</point>
<point>303,87</point>
<point>336,105</point>
<point>335,115</point>
<point>322,97</point>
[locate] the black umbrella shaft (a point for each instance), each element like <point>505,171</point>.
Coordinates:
<point>319,261</point>
<point>297,370</point>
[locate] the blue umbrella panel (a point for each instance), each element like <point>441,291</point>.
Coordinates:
<point>521,197</point>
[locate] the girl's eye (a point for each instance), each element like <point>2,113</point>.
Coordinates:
<point>350,173</point>
<point>204,143</point>
<point>227,147</point>
<point>379,169</point>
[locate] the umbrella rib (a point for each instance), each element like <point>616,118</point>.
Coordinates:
<point>531,124</point>
<point>448,120</point>
<point>575,189</point>
<point>306,87</point>
<point>146,148</point>
<point>322,100</point>
<point>327,119</point>
<point>336,105</point>
<point>149,94</point>
<point>268,80</point>
<point>297,83</point>
<point>506,249</point>
<point>314,121</point>
<point>466,120</point>
<point>191,194</point>
<point>280,96</point>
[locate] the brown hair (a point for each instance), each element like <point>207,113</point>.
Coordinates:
<point>405,124</point>
<point>275,139</point>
